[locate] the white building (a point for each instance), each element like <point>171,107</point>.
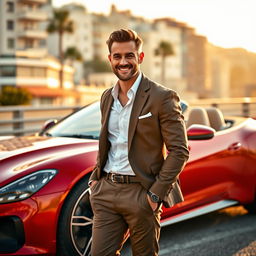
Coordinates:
<point>24,60</point>
<point>152,34</point>
<point>92,30</point>
<point>81,38</point>
<point>20,33</point>
<point>173,63</point>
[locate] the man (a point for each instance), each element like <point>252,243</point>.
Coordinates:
<point>133,176</point>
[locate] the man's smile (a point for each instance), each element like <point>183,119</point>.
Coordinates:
<point>124,67</point>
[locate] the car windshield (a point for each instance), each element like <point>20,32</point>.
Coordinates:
<point>85,124</point>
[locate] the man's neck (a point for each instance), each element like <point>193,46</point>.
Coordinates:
<point>126,85</point>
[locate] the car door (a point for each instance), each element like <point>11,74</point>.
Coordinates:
<point>215,168</point>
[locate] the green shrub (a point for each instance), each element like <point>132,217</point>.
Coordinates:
<point>10,95</point>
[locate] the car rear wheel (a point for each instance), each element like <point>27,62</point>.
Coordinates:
<point>75,224</point>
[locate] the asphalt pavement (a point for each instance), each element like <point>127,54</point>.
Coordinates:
<point>228,232</point>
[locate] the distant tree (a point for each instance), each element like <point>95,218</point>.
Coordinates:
<point>164,50</point>
<point>10,95</point>
<point>60,24</point>
<point>72,53</point>
<point>96,66</point>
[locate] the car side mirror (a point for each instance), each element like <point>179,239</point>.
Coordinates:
<point>47,125</point>
<point>200,132</point>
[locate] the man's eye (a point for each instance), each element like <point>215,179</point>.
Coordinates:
<point>116,57</point>
<point>130,56</point>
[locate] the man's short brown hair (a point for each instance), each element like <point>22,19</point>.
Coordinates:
<point>124,35</point>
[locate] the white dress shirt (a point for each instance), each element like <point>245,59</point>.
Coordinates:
<point>118,126</point>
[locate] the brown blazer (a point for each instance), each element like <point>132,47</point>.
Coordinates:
<point>147,137</point>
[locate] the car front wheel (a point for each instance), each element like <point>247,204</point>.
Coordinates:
<point>75,224</point>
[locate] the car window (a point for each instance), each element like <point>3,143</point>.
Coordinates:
<point>85,123</point>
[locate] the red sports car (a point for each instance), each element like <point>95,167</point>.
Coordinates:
<point>44,197</point>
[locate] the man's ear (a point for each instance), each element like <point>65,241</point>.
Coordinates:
<point>141,57</point>
<point>109,57</point>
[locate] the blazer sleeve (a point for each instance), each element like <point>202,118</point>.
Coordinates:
<point>174,134</point>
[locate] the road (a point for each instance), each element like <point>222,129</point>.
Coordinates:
<point>228,232</point>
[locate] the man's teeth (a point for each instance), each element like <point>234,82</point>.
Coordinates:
<point>124,68</point>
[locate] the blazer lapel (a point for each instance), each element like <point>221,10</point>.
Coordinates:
<point>108,101</point>
<point>139,101</point>
<point>103,142</point>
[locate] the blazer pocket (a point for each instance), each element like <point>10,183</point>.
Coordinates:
<point>149,114</point>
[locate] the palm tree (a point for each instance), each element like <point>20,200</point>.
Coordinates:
<point>72,53</point>
<point>164,50</point>
<point>60,24</point>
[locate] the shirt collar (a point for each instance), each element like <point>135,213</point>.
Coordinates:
<point>134,87</point>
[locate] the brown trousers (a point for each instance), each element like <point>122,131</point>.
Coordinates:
<point>119,208</point>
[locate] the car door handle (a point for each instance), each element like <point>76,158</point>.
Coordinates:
<point>235,146</point>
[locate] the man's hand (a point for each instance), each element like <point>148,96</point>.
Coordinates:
<point>92,184</point>
<point>152,204</point>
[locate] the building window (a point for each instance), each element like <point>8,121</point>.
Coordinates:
<point>10,25</point>
<point>7,71</point>
<point>23,71</point>
<point>43,43</point>
<point>10,43</point>
<point>39,72</point>
<point>31,72</point>
<point>10,6</point>
<point>46,101</point>
<point>29,43</point>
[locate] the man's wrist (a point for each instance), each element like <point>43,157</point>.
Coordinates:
<point>153,197</point>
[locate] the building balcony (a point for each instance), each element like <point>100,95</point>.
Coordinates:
<point>32,1</point>
<point>32,34</point>
<point>32,52</point>
<point>31,15</point>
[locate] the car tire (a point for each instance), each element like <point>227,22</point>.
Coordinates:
<point>75,223</point>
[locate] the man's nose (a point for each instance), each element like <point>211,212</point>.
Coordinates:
<point>123,61</point>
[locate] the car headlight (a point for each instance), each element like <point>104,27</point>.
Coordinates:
<point>26,186</point>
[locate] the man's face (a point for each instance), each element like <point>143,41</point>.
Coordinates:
<point>125,59</point>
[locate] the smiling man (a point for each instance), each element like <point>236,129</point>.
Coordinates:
<point>133,177</point>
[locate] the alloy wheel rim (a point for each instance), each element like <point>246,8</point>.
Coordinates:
<point>81,225</point>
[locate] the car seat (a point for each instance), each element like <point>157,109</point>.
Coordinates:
<point>216,118</point>
<point>197,115</point>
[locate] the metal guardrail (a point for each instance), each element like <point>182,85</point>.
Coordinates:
<point>21,120</point>
<point>245,107</point>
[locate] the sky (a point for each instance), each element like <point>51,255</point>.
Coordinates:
<point>226,23</point>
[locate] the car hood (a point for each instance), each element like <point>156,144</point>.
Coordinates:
<point>19,155</point>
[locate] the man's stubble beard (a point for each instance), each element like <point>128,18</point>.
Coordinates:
<point>132,73</point>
